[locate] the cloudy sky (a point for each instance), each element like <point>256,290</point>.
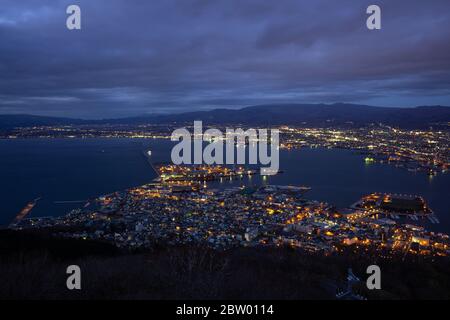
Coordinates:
<point>137,57</point>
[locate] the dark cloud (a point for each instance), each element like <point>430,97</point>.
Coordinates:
<point>135,57</point>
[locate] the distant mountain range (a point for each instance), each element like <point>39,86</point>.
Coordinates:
<point>8,121</point>
<point>339,114</point>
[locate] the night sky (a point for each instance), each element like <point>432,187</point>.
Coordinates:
<point>137,57</point>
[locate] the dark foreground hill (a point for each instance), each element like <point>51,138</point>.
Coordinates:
<point>33,266</point>
<point>292,114</point>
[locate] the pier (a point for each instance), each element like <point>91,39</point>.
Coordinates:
<point>25,211</point>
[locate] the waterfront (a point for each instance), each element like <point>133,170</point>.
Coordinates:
<point>79,169</point>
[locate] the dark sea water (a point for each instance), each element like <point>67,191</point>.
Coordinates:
<point>79,169</point>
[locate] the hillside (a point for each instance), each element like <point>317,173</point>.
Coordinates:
<point>293,114</point>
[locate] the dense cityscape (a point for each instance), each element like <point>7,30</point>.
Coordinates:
<point>179,208</point>
<point>414,150</point>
